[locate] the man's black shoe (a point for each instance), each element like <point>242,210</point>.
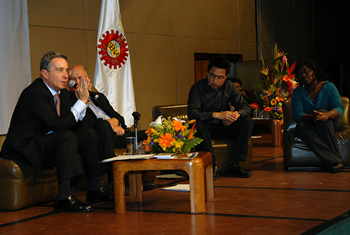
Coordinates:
<point>337,167</point>
<point>71,204</point>
<point>216,172</point>
<point>101,195</point>
<point>148,185</point>
<point>236,171</point>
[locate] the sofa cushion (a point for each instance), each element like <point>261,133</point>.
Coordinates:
<point>20,189</point>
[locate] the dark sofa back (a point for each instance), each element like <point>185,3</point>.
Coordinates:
<point>177,110</point>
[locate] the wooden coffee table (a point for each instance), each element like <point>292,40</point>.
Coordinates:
<point>199,169</point>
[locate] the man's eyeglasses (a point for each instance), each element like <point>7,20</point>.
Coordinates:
<point>213,76</point>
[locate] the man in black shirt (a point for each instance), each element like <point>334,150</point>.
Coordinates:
<point>208,103</point>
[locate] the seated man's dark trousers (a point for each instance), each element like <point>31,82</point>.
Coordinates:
<point>60,150</point>
<point>239,132</point>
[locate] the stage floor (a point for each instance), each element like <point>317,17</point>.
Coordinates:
<point>271,201</point>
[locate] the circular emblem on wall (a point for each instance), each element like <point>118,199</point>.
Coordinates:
<point>113,49</point>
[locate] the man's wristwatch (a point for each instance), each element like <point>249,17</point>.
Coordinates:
<point>239,111</point>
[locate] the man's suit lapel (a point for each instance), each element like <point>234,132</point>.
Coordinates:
<point>65,103</point>
<point>96,100</point>
<point>44,90</point>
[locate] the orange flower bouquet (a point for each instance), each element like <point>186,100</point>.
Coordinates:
<point>279,84</point>
<point>171,136</point>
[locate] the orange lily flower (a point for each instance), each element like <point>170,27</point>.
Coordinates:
<point>279,99</point>
<point>165,140</point>
<point>286,78</point>
<point>178,125</point>
<point>149,131</point>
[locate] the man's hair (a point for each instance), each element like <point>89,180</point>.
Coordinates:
<point>220,62</point>
<point>45,62</point>
<point>237,80</point>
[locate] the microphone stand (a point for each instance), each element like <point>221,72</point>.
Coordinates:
<point>136,142</point>
<point>137,117</point>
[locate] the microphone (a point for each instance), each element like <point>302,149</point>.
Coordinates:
<point>73,84</point>
<point>136,116</point>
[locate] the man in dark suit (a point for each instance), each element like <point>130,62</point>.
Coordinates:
<point>108,123</point>
<point>44,133</point>
<point>100,115</point>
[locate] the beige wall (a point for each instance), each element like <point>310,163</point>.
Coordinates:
<point>163,36</point>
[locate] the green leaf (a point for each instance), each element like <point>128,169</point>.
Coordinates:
<point>263,63</point>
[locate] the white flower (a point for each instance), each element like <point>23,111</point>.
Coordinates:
<point>158,121</point>
<point>174,118</point>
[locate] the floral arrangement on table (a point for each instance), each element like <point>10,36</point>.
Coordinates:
<point>279,84</point>
<point>171,136</point>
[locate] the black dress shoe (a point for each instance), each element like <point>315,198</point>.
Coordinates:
<point>148,185</point>
<point>71,204</point>
<point>337,167</point>
<point>101,195</point>
<point>237,172</point>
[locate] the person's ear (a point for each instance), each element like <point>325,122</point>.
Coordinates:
<point>44,73</point>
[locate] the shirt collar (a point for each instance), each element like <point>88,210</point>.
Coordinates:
<point>53,92</point>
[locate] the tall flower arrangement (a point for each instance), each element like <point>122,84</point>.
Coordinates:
<point>171,136</point>
<point>279,83</point>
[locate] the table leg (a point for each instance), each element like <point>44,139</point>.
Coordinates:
<point>197,189</point>
<point>119,192</point>
<point>209,187</point>
<point>135,186</point>
<point>276,132</point>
